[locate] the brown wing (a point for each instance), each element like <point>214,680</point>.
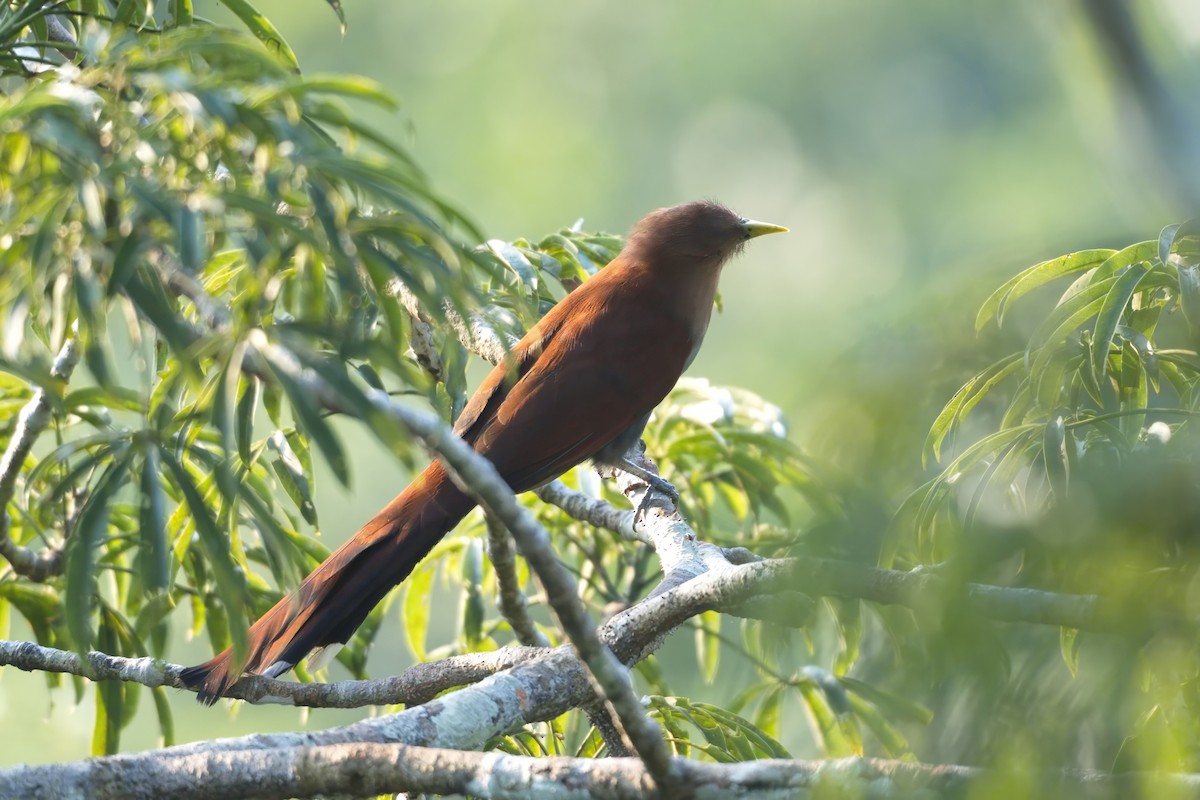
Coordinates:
<point>594,379</point>
<point>487,397</point>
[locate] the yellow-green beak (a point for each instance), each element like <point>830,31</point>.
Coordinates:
<point>754,228</point>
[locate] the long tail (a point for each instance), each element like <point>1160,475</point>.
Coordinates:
<point>334,600</point>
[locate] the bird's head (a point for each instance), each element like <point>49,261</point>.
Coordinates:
<point>700,231</point>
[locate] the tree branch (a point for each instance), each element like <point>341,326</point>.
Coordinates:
<point>476,334</point>
<point>591,510</point>
<point>32,420</point>
<point>424,349</point>
<point>532,685</point>
<point>418,684</point>
<point>367,770</point>
<point>512,600</point>
<point>769,583</point>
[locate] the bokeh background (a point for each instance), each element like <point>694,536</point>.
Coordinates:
<point>919,151</point>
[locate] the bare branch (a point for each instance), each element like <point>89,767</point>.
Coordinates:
<point>424,348</point>
<point>512,599</point>
<point>769,584</point>
<point>32,420</point>
<point>536,685</point>
<point>367,770</point>
<point>590,510</point>
<point>476,334</point>
<point>417,684</point>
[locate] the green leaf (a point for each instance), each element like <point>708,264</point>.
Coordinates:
<point>1134,390</point>
<point>894,743</point>
<point>933,492</point>
<point>231,584</point>
<point>1142,251</point>
<point>1053,332</point>
<point>897,706</point>
<point>826,728</point>
<point>708,645</point>
<point>1189,297</point>
<point>516,261</point>
<point>131,12</point>
<point>1172,234</point>
<point>767,717</point>
<point>106,396</point>
<point>181,12</point>
<point>309,416</point>
<point>848,615</point>
<point>152,301</point>
<point>106,731</point>
<point>82,551</point>
<point>223,415</point>
<point>247,405</point>
<point>418,589</point>
<point>1000,473</point>
<point>166,721</point>
<point>964,400</point>
<point>1109,315</point>
<point>355,86</point>
<point>1032,278</point>
<point>289,469</point>
<point>336,5</point>
<point>155,551</point>
<point>473,606</point>
<point>263,30</point>
<point>1068,639</point>
<point>1057,447</point>
<point>1166,238</point>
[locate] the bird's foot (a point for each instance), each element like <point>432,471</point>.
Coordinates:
<point>654,483</point>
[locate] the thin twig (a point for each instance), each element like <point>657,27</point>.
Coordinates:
<point>511,599</point>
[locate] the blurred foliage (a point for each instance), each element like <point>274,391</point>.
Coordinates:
<point>1092,433</point>
<point>165,201</point>
<point>178,199</point>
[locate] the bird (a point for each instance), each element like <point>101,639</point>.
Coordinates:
<point>581,384</point>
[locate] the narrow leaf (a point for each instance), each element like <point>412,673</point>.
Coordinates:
<point>1109,315</point>
<point>230,581</point>
<point>263,30</point>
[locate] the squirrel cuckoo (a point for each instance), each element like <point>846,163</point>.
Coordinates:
<point>581,384</point>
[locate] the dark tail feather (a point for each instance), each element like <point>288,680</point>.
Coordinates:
<point>334,600</point>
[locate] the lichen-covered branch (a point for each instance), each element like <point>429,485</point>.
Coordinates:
<point>591,510</point>
<point>417,684</point>
<point>424,348</point>
<point>475,333</point>
<point>368,770</point>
